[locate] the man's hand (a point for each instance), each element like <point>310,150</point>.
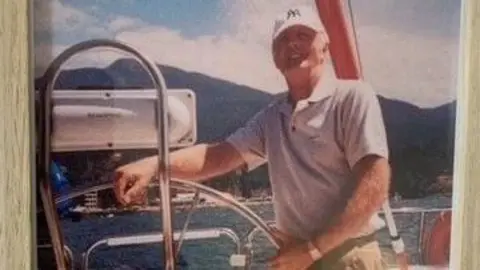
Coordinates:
<point>292,252</point>
<point>285,240</point>
<point>131,181</point>
<point>196,163</point>
<point>293,257</point>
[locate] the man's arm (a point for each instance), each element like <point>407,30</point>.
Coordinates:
<point>201,162</point>
<point>245,147</point>
<point>204,161</point>
<point>373,176</point>
<point>366,151</point>
<point>196,163</point>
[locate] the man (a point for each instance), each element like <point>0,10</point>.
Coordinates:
<point>325,146</point>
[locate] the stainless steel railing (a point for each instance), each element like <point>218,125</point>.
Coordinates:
<point>145,239</point>
<point>51,76</point>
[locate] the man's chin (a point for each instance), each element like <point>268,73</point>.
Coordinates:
<point>295,71</point>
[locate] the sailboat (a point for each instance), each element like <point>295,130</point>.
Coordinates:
<point>170,122</point>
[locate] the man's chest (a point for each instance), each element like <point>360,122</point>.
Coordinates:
<point>314,135</point>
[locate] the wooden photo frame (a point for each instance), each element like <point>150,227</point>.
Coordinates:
<point>19,169</point>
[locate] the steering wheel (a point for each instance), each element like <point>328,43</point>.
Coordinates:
<point>243,246</point>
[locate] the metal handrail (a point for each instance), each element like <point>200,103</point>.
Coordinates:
<point>141,239</point>
<point>158,81</point>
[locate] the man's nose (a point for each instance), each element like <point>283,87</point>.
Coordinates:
<point>294,44</point>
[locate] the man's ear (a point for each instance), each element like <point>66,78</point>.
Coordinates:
<point>325,48</point>
<point>325,52</point>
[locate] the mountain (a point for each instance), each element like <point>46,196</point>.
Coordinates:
<point>420,140</point>
<point>421,143</point>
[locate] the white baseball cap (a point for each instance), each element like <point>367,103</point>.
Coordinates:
<point>302,15</point>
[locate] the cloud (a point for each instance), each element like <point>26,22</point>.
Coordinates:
<point>399,63</point>
<point>421,17</point>
<point>122,23</point>
<point>56,19</point>
<point>54,15</point>
<point>409,67</point>
<point>44,54</point>
<point>226,57</point>
<point>241,55</point>
<point>252,21</point>
<point>406,55</point>
<point>229,57</point>
<point>97,57</point>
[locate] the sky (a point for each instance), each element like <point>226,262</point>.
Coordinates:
<point>408,48</point>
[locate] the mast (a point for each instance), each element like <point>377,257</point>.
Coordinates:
<point>342,48</point>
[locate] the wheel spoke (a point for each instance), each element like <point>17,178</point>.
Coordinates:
<point>196,199</point>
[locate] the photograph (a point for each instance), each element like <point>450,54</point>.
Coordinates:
<point>282,135</point>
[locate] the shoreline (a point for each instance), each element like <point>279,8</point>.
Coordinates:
<point>183,206</point>
<point>178,207</point>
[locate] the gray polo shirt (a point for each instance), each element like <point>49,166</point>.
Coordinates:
<point>310,151</point>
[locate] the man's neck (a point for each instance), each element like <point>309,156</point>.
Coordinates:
<point>302,88</point>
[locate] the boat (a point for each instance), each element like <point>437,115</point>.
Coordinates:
<point>166,131</point>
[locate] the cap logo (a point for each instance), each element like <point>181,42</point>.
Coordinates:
<point>293,13</point>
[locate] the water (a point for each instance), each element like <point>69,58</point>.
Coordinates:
<point>211,254</point>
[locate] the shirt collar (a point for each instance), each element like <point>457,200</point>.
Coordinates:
<point>324,88</point>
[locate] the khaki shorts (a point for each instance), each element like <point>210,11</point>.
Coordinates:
<point>352,256</point>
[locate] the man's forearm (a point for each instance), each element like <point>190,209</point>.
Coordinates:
<point>202,162</point>
<point>373,175</point>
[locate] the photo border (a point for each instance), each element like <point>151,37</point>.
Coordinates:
<point>17,203</point>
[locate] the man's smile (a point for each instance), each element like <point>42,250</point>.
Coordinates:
<point>295,59</point>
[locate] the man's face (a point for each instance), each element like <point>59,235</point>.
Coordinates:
<point>298,49</point>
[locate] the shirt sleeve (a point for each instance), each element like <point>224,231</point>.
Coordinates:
<point>363,125</point>
<point>249,141</point>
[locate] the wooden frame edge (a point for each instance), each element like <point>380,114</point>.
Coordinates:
<point>17,234</point>
<point>17,237</point>
<point>465,238</point>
